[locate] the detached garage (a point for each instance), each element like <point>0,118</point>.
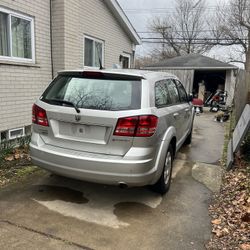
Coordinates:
<point>199,72</point>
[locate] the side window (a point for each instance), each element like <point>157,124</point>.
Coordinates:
<point>173,91</point>
<point>182,92</point>
<point>161,94</point>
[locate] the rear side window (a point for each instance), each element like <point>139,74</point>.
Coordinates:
<point>161,94</point>
<point>173,91</point>
<point>182,92</point>
<point>100,94</point>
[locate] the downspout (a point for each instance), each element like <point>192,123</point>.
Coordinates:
<point>51,42</point>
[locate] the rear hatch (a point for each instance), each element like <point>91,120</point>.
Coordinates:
<point>82,110</point>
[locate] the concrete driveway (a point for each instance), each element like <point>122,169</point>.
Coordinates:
<point>50,212</point>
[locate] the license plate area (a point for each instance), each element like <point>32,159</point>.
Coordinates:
<point>82,132</point>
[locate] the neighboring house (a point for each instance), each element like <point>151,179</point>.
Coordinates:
<point>39,38</point>
<point>195,69</point>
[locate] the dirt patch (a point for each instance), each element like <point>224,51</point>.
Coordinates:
<point>15,165</point>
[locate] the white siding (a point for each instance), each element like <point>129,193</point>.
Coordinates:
<point>92,18</point>
<point>21,84</point>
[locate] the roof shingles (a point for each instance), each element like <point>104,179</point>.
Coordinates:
<point>194,61</point>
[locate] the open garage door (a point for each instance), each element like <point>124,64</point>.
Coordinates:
<point>206,82</point>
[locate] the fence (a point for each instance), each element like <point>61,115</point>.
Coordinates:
<point>240,94</point>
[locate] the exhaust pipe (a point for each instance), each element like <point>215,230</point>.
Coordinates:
<point>123,185</point>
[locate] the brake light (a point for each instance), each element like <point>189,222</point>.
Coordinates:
<point>92,74</point>
<point>126,126</point>
<point>136,126</point>
<point>147,126</point>
<point>39,116</point>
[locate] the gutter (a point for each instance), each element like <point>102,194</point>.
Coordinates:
<point>51,43</point>
<point>124,21</point>
<point>190,68</point>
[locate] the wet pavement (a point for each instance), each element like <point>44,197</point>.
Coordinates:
<point>51,212</point>
<point>207,141</point>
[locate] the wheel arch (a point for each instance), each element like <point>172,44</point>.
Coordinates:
<point>169,138</point>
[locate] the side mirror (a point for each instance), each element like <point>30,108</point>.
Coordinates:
<point>190,97</point>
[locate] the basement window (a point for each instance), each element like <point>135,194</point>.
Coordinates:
<point>16,133</point>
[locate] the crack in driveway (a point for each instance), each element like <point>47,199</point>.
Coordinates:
<point>51,236</point>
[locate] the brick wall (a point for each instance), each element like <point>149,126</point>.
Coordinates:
<point>20,85</point>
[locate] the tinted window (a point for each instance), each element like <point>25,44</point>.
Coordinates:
<point>102,94</point>
<point>161,94</point>
<point>182,92</point>
<point>173,92</point>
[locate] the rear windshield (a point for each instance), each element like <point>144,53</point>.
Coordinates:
<point>100,94</point>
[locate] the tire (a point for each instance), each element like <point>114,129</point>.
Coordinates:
<point>163,184</point>
<point>188,140</point>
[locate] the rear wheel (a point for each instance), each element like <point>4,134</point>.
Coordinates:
<point>163,184</point>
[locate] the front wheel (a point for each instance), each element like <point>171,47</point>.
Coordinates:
<point>163,184</point>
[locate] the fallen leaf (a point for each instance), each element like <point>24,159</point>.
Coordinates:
<point>218,233</point>
<point>245,246</point>
<point>246,217</point>
<point>17,156</point>
<point>9,158</point>
<point>216,222</point>
<point>225,231</point>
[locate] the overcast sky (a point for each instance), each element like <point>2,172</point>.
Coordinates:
<point>140,12</point>
<point>150,8</point>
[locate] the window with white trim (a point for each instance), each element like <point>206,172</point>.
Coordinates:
<point>93,52</point>
<point>16,36</point>
<point>125,61</point>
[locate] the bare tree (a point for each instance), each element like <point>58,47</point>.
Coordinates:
<point>232,27</point>
<point>181,30</point>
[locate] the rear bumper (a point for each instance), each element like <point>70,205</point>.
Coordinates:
<point>97,168</point>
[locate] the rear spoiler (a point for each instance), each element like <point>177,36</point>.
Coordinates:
<point>101,75</point>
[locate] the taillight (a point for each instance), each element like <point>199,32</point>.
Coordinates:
<point>136,126</point>
<point>126,126</point>
<point>39,116</point>
<point>146,126</point>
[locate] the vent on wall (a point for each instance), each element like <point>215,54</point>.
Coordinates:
<point>16,133</point>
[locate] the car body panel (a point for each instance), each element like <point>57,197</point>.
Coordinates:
<point>83,145</point>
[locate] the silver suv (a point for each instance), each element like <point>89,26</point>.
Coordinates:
<point>120,127</point>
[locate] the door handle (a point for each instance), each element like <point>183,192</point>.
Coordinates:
<point>187,109</point>
<point>176,115</point>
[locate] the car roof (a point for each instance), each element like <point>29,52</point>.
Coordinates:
<point>144,74</point>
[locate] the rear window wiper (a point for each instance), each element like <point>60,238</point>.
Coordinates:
<point>65,102</point>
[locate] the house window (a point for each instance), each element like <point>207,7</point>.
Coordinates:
<point>16,37</point>
<point>93,52</point>
<point>125,61</point>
